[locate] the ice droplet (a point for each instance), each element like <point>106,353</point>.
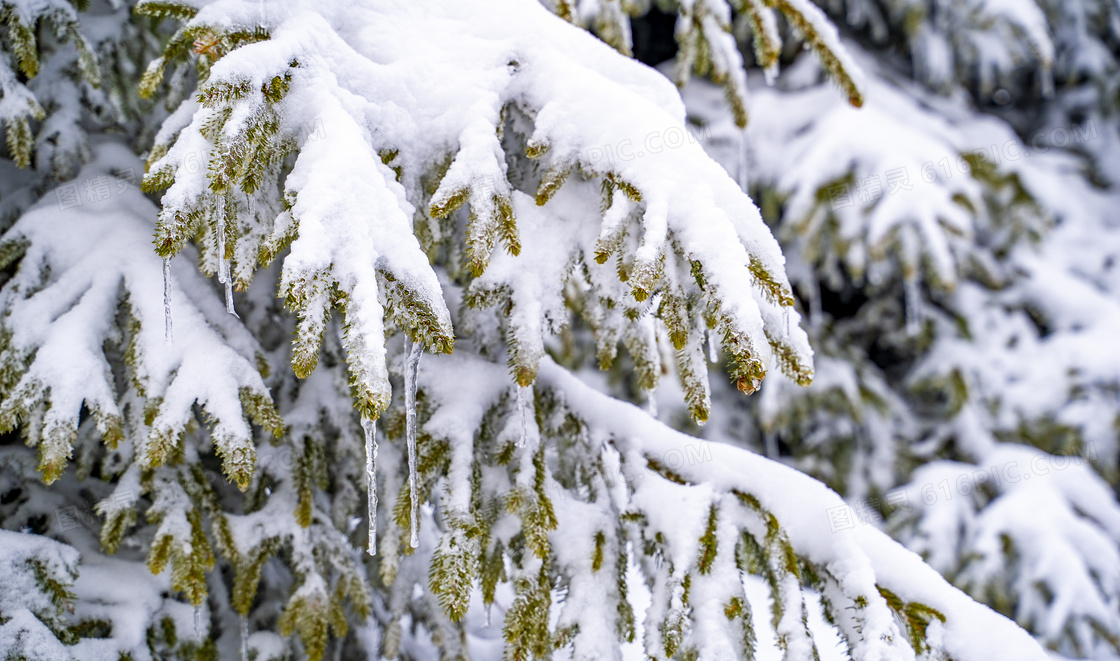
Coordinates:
<point>370,427</point>
<point>412,367</point>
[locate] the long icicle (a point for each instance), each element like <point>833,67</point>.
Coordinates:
<point>410,373</point>
<point>223,261</point>
<point>244,638</point>
<point>220,236</point>
<point>523,394</point>
<point>168,335</point>
<point>371,480</point>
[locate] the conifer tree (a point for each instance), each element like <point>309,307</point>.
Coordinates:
<point>369,184</point>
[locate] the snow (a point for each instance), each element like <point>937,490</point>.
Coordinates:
<point>1023,330</point>
<point>94,255</point>
<point>520,102</point>
<point>352,220</point>
<point>859,560</point>
<point>26,604</point>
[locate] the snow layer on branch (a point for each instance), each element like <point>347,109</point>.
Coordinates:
<point>130,598</point>
<point>682,511</point>
<point>859,561</point>
<point>418,109</point>
<point>105,593</point>
<point>79,269</point>
<point>36,572</point>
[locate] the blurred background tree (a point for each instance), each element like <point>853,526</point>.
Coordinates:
<point>954,246</point>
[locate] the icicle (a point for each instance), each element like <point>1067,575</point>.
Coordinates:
<point>651,403</point>
<point>913,294</point>
<point>488,609</point>
<point>244,638</point>
<point>410,372</point>
<point>223,261</point>
<point>168,336</point>
<point>713,348</point>
<point>371,481</point>
<point>785,313</point>
<point>229,299</point>
<point>523,394</point>
<point>198,622</point>
<point>220,231</point>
